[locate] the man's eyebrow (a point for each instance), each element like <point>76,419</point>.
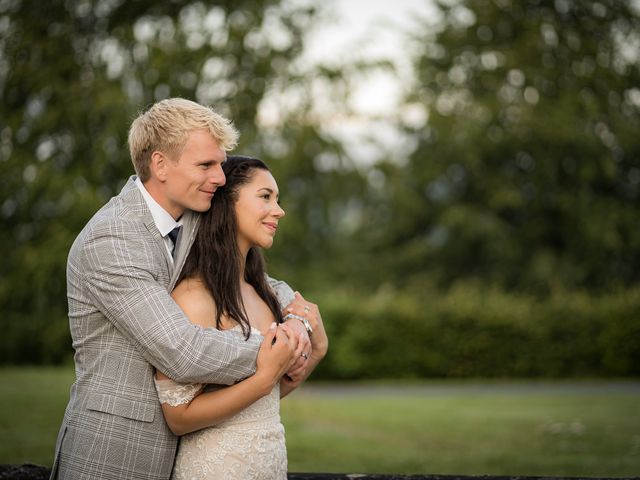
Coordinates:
<point>209,161</point>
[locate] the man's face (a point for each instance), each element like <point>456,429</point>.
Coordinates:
<point>192,180</point>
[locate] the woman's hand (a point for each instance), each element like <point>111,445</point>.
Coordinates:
<point>279,351</point>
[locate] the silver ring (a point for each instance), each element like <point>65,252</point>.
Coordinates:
<point>306,309</point>
<point>304,355</point>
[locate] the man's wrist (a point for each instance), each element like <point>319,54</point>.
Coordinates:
<point>319,349</point>
<point>304,321</point>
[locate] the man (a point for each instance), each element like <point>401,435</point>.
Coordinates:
<point>123,321</point>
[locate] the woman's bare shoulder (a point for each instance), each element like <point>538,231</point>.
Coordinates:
<point>196,302</point>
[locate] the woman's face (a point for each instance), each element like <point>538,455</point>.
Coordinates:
<point>257,211</point>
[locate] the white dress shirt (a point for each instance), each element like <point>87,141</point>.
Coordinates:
<point>163,220</point>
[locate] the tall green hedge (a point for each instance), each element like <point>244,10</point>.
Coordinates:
<point>469,331</point>
<point>476,332</point>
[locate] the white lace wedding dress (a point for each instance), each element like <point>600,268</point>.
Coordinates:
<point>249,445</point>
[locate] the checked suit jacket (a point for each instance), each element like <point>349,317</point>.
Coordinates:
<point>124,323</point>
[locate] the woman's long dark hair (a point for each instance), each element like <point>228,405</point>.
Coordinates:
<point>215,257</point>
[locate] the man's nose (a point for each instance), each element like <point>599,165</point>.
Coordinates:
<point>218,177</point>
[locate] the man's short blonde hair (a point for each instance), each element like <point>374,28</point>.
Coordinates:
<point>165,126</point>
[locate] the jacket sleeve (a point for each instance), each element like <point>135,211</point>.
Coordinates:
<point>283,291</point>
<point>121,265</point>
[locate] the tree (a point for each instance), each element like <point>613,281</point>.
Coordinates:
<point>526,172</point>
<point>73,77</point>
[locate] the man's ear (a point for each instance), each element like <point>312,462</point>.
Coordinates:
<point>158,166</point>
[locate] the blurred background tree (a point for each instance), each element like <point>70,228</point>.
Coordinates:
<point>500,220</point>
<point>526,170</point>
<point>73,77</point>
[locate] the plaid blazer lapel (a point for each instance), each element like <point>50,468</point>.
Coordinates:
<point>135,200</point>
<point>190,222</point>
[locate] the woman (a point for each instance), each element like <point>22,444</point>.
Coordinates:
<point>235,432</point>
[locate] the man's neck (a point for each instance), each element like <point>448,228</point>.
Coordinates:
<point>156,191</point>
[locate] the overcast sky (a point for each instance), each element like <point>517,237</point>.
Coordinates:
<point>367,29</point>
<point>364,27</point>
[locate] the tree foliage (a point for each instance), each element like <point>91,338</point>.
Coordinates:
<point>519,169</point>
<point>526,172</point>
<point>73,77</point>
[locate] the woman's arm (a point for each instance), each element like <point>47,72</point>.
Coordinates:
<point>275,357</point>
<point>210,408</point>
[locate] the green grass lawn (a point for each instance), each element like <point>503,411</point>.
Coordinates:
<point>436,428</point>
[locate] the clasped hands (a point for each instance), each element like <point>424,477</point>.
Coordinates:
<point>287,347</point>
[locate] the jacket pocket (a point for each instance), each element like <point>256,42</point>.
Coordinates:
<point>102,402</point>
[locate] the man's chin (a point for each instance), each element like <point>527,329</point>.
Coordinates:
<point>201,207</point>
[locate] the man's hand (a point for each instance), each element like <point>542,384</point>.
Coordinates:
<point>297,372</point>
<point>316,345</point>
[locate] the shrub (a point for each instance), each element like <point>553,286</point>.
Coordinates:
<point>475,332</point>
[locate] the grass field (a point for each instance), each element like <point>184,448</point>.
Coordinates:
<point>516,429</point>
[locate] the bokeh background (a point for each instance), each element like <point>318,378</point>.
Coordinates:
<point>484,224</point>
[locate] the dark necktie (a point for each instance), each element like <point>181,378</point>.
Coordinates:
<point>173,235</point>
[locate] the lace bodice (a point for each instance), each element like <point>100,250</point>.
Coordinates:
<point>248,445</point>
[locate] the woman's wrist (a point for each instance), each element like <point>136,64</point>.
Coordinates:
<point>264,382</point>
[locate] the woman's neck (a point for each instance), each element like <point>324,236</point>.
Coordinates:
<point>243,266</point>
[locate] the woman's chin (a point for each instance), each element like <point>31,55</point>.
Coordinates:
<point>266,245</point>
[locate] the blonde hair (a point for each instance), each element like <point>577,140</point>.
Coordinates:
<point>165,126</point>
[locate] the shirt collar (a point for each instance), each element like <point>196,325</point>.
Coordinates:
<point>163,220</point>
